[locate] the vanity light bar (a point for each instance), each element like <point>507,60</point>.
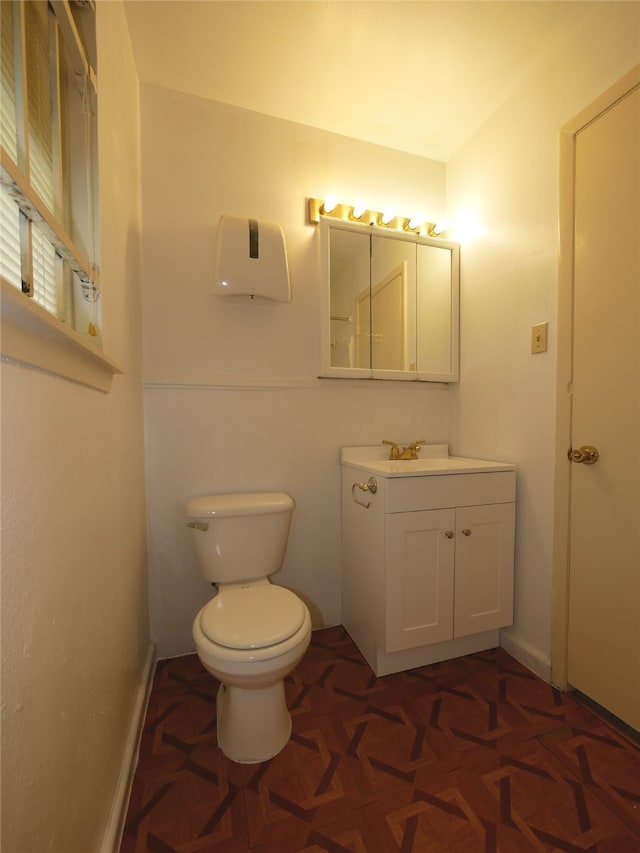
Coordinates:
<point>330,206</point>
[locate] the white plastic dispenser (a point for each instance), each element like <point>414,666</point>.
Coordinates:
<point>251,259</point>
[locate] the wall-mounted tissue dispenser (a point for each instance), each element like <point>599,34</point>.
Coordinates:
<point>251,259</point>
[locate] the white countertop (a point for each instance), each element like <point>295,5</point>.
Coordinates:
<point>433,460</point>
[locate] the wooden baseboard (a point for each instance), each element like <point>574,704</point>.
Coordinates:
<point>115,825</point>
<point>526,654</point>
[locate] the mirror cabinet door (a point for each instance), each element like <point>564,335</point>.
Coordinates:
<point>349,282</point>
<point>393,304</point>
<point>435,302</point>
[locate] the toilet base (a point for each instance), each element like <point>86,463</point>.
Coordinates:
<point>253,725</point>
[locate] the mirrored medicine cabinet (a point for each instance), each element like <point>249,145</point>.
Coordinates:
<point>390,304</point>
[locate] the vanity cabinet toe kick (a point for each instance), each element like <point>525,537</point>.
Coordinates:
<point>427,565</point>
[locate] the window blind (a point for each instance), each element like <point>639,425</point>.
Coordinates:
<point>8,134</point>
<point>10,239</point>
<point>43,262</point>
<point>39,100</point>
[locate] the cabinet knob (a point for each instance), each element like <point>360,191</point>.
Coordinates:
<point>449,534</point>
<point>466,531</point>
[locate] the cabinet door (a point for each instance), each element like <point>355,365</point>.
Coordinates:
<point>484,568</point>
<point>419,578</point>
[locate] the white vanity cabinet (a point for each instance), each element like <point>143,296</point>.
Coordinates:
<point>427,558</point>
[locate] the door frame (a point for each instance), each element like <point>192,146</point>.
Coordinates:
<point>564,366</point>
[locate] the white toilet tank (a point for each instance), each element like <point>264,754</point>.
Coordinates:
<point>240,537</point>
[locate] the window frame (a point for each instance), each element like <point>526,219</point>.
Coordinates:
<point>30,335</point>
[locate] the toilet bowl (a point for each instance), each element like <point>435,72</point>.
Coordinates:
<point>253,720</point>
<point>252,633</point>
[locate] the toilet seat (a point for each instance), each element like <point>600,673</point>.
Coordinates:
<point>252,616</point>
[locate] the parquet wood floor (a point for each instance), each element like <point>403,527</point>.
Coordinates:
<point>473,755</point>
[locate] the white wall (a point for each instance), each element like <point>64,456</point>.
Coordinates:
<point>504,406</point>
<point>232,401</point>
<point>75,630</point>
<point>231,398</point>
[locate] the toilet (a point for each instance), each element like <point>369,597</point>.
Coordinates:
<point>252,633</point>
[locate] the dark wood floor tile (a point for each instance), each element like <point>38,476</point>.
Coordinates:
<point>473,754</point>
<point>537,795</point>
<point>603,760</point>
<point>181,795</point>
<point>440,817</point>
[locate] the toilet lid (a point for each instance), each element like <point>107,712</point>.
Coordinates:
<point>252,617</point>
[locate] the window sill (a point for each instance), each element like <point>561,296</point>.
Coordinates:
<point>34,338</point>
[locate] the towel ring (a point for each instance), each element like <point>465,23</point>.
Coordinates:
<point>370,486</point>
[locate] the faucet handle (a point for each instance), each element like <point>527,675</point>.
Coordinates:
<point>395,451</point>
<point>411,450</point>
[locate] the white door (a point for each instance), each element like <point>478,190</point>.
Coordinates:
<point>381,322</point>
<point>388,321</point>
<point>604,552</point>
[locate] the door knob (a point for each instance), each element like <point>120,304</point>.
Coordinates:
<point>587,454</point>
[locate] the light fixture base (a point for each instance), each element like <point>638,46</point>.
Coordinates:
<point>344,212</point>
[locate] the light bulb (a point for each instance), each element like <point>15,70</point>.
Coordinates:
<point>440,227</point>
<point>466,226</point>
<point>388,215</point>
<point>329,203</point>
<point>358,209</point>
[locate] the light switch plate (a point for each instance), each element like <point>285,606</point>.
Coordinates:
<point>539,338</point>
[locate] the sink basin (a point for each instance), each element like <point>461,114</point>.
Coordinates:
<point>434,459</point>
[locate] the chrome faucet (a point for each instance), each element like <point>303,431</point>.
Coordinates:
<point>409,452</point>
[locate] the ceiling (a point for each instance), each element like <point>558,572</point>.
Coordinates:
<point>417,76</point>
